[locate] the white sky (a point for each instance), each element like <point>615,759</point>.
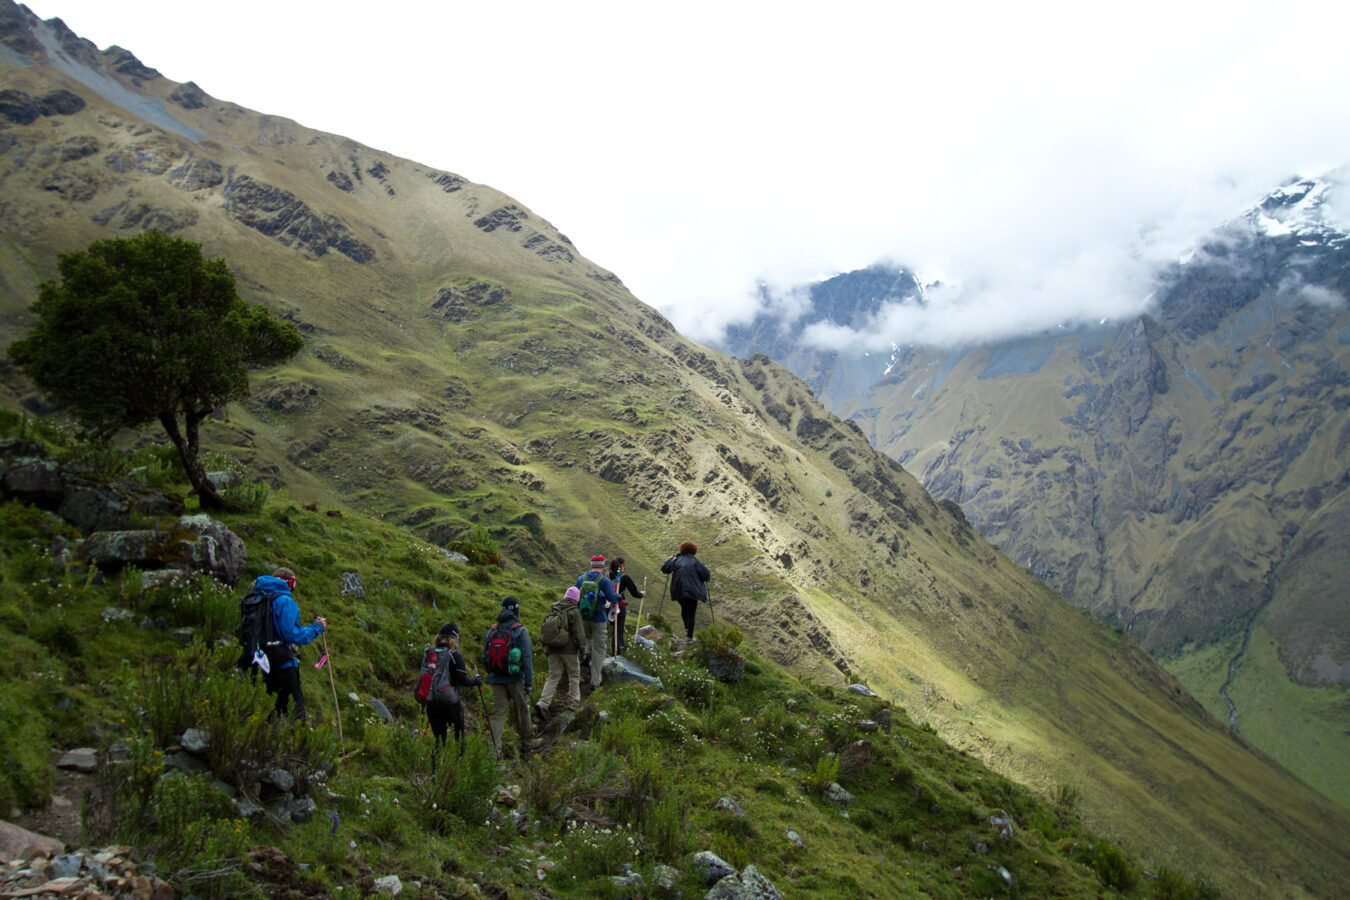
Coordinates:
<point>1039,157</point>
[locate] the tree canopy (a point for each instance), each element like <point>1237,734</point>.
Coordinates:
<point>144,329</point>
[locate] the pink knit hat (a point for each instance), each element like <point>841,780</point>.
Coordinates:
<point>572,594</point>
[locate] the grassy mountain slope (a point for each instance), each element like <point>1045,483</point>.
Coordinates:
<point>466,366</point>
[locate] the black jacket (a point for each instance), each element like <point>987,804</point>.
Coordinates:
<point>688,578</point>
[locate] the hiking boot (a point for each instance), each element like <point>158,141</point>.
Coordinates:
<point>541,710</point>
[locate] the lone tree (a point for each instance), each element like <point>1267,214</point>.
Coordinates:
<point>142,329</point>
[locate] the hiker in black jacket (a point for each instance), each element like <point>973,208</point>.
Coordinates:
<point>688,583</point>
<point>440,716</point>
<point>625,587</point>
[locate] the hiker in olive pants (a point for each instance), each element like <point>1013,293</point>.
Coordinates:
<point>508,638</point>
<point>565,660</point>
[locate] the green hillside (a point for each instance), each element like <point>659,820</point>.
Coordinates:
<point>467,369</point>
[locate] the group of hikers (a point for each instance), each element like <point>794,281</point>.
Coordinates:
<point>575,631</point>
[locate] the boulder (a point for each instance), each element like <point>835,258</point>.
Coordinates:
<point>213,548</point>
<point>754,886</point>
<point>381,710</point>
<point>726,666</point>
<point>862,689</point>
<point>728,805</point>
<point>115,549</point>
<point>726,888</point>
<point>14,841</point>
<point>195,740</point>
<point>81,759</point>
<point>187,763</point>
<point>711,867</point>
<point>835,794</point>
<point>618,669</point>
<point>389,885</point>
<point>651,633</point>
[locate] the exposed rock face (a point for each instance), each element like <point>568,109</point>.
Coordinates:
<point>279,214</point>
<point>22,109</point>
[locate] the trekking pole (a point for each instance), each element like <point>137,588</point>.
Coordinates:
<point>488,719</point>
<point>662,606</point>
<point>641,603</point>
<point>333,684</point>
<point>711,615</point>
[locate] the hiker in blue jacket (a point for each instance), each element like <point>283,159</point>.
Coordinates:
<point>597,623</point>
<point>283,678</point>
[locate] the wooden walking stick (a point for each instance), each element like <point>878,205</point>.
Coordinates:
<point>333,684</point>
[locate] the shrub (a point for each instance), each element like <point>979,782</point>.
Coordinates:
<point>1109,863</point>
<point>719,639</point>
<point>826,772</point>
<point>248,497</point>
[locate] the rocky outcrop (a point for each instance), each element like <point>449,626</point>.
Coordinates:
<point>23,109</point>
<point>281,215</point>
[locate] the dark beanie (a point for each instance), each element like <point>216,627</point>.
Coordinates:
<point>449,629</point>
<point>511,604</point>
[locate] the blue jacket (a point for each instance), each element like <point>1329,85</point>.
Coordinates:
<point>521,640</point>
<point>607,594</point>
<point>286,615</point>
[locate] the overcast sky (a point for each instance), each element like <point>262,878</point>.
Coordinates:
<point>1038,158</point>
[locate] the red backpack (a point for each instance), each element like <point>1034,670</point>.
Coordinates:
<point>433,684</point>
<point>502,656</point>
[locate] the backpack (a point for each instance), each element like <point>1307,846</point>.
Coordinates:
<point>257,631</point>
<point>590,596</point>
<point>503,657</point>
<point>433,683</point>
<point>556,632</point>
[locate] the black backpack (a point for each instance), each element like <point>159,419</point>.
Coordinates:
<point>257,631</point>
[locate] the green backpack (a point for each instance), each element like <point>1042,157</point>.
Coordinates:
<point>590,596</point>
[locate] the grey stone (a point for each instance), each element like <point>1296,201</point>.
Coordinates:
<point>711,867</point>
<point>867,726</point>
<point>861,689</point>
<point>389,884</point>
<point>195,740</point>
<point>114,614</point>
<point>216,550</point>
<point>158,578</point>
<point>67,865</point>
<point>182,635</point>
<point>1002,822</point>
<point>727,888</point>
<point>187,763</point>
<point>1005,875</point>
<point>981,848</point>
<point>247,809</point>
<point>754,886</point>
<point>455,557</point>
<point>381,710</point>
<point>227,789</point>
<point>640,641</point>
<point>884,720</point>
<point>731,806</point>
<point>115,549</point>
<point>81,759</point>
<point>836,795</point>
<point>664,878</point>
<point>728,666</point>
<point>279,778</point>
<point>618,669</point>
<point>632,881</point>
<point>302,809</point>
<point>352,587</point>
<point>795,838</point>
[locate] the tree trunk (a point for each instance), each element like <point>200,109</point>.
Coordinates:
<point>207,497</point>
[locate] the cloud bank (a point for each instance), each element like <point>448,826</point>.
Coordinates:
<point>1040,159</point>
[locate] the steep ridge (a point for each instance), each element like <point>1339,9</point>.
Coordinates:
<point>465,365</point>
